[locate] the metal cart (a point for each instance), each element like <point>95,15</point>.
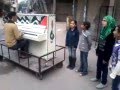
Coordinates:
<point>34,64</point>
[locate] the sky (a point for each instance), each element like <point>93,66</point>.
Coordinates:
<point>20,1</point>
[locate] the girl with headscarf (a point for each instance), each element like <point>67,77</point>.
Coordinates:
<point>104,50</point>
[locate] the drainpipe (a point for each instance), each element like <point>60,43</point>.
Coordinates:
<point>74,9</point>
<point>85,10</point>
<point>54,6</point>
<point>111,9</point>
<point>114,10</point>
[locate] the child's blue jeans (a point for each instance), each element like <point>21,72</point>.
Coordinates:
<point>116,83</point>
<point>72,52</point>
<point>83,62</point>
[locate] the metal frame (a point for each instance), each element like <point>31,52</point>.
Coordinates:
<point>40,72</point>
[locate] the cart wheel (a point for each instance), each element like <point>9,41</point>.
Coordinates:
<point>37,75</point>
<point>40,76</point>
<point>1,58</point>
<point>60,65</point>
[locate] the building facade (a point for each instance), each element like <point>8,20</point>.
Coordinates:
<point>90,10</point>
<point>11,3</point>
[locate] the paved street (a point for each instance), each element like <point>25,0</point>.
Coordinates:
<point>15,78</point>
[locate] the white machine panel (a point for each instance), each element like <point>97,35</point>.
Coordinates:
<point>40,30</point>
<point>33,32</point>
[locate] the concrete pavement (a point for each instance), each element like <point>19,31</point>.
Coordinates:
<point>61,79</point>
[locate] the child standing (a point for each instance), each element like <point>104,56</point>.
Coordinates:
<point>85,43</point>
<point>72,39</point>
<point>104,49</point>
<point>115,75</point>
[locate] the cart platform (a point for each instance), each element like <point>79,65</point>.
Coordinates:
<point>34,64</point>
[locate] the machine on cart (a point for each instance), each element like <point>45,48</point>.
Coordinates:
<point>40,30</point>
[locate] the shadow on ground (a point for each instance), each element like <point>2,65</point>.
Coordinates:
<point>6,67</point>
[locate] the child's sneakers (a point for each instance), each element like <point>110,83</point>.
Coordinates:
<point>94,79</point>
<point>70,67</point>
<point>101,86</point>
<point>83,74</point>
<point>78,70</point>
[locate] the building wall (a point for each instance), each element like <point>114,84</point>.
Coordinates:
<point>63,10</point>
<point>80,7</point>
<point>117,11</point>
<point>93,11</point>
<point>95,16</point>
